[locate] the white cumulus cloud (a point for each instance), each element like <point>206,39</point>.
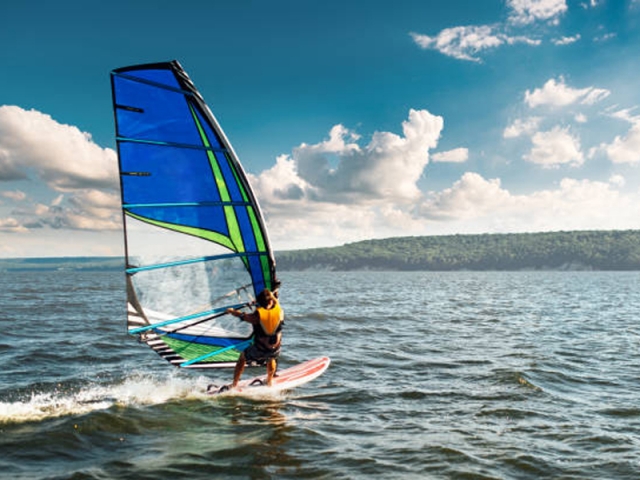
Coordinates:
<point>11,225</point>
<point>625,148</point>
<point>15,195</point>
<point>580,118</point>
<point>617,180</point>
<point>558,94</point>
<point>519,127</point>
<point>61,155</point>
<point>529,11</point>
<point>457,155</point>
<point>469,197</point>
<point>85,209</point>
<point>341,170</point>
<point>37,149</point>
<point>566,40</point>
<point>340,189</point>
<point>554,148</point>
<point>462,42</point>
<point>466,42</point>
<point>475,204</point>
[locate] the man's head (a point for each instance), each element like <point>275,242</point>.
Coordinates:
<point>266,298</point>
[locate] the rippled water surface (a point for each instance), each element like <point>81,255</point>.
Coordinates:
<point>463,375</point>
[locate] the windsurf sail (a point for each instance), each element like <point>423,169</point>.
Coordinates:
<point>195,238</point>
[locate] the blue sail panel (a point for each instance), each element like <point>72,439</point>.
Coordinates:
<point>142,114</point>
<point>156,173</point>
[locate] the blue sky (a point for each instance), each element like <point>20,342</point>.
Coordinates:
<point>354,119</point>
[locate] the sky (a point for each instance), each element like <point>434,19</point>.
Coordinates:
<point>354,120</point>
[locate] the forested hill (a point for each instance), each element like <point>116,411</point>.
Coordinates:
<point>584,250</point>
<point>580,250</point>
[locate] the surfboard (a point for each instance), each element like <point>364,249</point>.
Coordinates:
<point>285,379</point>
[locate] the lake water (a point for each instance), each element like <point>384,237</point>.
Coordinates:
<point>521,375</point>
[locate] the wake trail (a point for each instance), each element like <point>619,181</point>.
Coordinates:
<point>133,391</point>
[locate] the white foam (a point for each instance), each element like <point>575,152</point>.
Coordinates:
<point>134,390</point>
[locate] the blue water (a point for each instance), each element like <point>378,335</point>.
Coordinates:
<point>522,375</point>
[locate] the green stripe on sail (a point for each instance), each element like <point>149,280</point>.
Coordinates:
<point>262,246</point>
<point>255,225</point>
<point>229,212</point>
<point>190,350</point>
<point>260,243</point>
<point>258,233</point>
<point>209,235</point>
<point>232,165</point>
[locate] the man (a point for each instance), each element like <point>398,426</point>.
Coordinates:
<point>267,321</point>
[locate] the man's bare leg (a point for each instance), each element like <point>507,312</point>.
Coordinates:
<point>271,369</point>
<point>237,373</point>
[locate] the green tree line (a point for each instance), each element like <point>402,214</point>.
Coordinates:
<point>596,250</point>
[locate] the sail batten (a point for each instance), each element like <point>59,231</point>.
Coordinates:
<point>193,316</point>
<point>185,204</point>
<point>214,149</point>
<point>151,83</point>
<point>132,270</point>
<point>195,238</point>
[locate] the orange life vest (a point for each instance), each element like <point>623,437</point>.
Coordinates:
<point>270,320</point>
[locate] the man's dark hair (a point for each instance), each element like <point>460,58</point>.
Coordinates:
<point>264,297</point>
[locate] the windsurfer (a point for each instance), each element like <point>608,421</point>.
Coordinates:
<point>267,321</point>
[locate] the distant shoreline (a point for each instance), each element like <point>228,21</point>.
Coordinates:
<point>601,250</point>
<point>576,250</point>
<point>49,264</point>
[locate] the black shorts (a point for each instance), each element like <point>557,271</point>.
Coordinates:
<point>256,354</point>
